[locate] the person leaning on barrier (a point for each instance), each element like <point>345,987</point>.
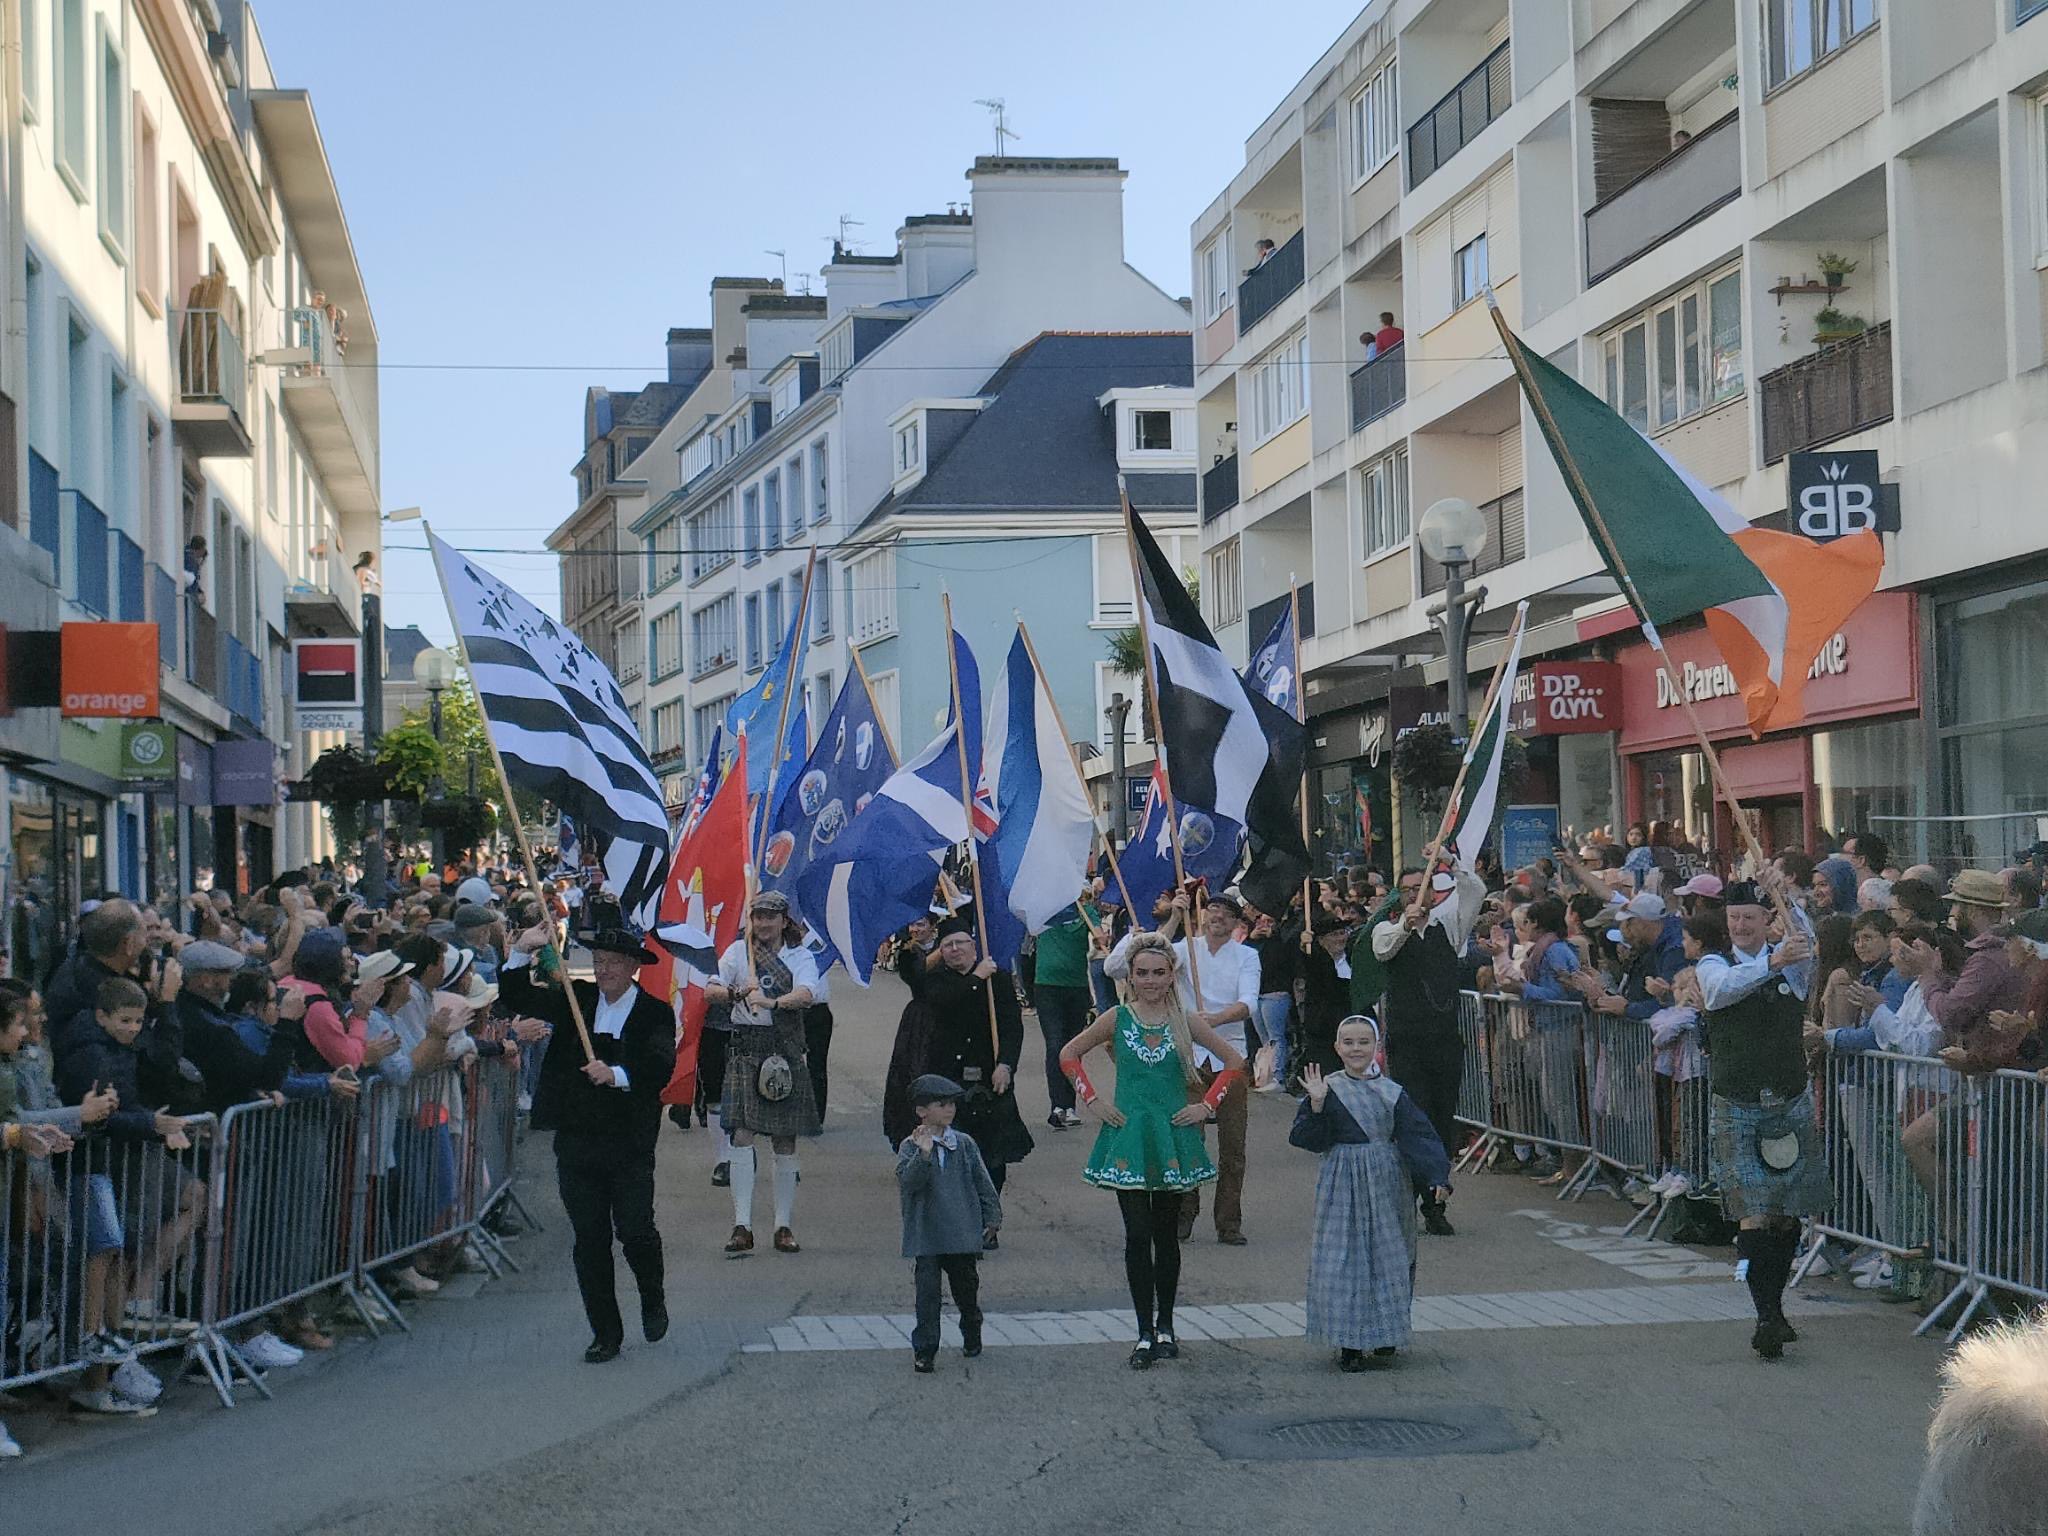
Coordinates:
<point>1987,1447</point>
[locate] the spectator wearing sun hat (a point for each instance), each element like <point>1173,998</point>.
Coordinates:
<point>1963,1002</point>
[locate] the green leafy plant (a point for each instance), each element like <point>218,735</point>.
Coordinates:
<point>1831,323</point>
<point>1426,763</point>
<point>1834,267</point>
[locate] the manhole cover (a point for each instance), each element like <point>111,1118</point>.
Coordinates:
<point>1442,1429</point>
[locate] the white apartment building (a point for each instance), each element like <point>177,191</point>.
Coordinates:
<point>1654,192</point>
<point>192,356</point>
<point>818,422</point>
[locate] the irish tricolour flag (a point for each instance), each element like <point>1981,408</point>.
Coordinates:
<point>1771,600</point>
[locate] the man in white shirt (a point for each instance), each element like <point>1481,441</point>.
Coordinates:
<point>1228,975</point>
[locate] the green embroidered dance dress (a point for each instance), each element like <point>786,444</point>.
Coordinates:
<point>1148,1151</point>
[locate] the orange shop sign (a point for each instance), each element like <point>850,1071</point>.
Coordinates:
<point>109,672</point>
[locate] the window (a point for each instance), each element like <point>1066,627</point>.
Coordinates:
<point>1375,123</point>
<point>1798,34</point>
<point>1215,269</point>
<point>750,515</point>
<point>822,699</point>
<point>712,640</point>
<point>773,622</point>
<point>793,488</point>
<point>635,446</point>
<point>883,686</point>
<point>1280,388</point>
<point>665,554</point>
<point>771,510</point>
<point>694,457</point>
<point>1383,498</point>
<point>665,644</point>
<point>872,580</point>
<point>1223,584</point>
<point>821,481</point>
<point>908,456</point>
<point>821,600</point>
<point>1682,356</point>
<point>1152,431</point>
<point>31,59</point>
<point>73,83</point>
<point>835,351</point>
<point>113,157</point>
<point>704,720</point>
<point>149,236</point>
<point>120,453</point>
<point>753,631</point>
<point>665,729</point>
<point>270,496</point>
<point>1113,606</point>
<point>1468,272</point>
<point>711,537</point>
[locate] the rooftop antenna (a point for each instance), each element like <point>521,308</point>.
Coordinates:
<point>1001,121</point>
<point>783,257</point>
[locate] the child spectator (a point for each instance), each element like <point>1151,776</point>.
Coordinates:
<point>950,1211</point>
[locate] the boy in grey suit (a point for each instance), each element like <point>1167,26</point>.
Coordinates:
<point>950,1210</point>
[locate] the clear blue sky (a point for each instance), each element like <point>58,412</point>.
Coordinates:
<point>538,194</point>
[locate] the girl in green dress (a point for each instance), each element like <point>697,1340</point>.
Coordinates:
<point>1150,1148</point>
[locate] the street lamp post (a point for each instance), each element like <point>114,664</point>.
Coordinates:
<point>1119,711</point>
<point>1452,532</point>
<point>434,669</point>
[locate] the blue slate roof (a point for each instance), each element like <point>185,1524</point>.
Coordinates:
<point>1042,442</point>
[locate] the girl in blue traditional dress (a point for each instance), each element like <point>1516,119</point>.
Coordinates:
<point>1379,1151</point>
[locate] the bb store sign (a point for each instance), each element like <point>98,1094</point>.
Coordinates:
<point>1829,496</point>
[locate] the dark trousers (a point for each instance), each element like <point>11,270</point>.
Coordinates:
<point>608,1190</point>
<point>1062,1014</point>
<point>817,1046</point>
<point>963,1274</point>
<point>1429,1068</point>
<point>1233,1118</point>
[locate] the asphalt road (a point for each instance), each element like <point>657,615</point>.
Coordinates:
<point>484,1419</point>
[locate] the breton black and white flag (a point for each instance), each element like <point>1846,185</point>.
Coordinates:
<point>562,727</point>
<point>1228,749</point>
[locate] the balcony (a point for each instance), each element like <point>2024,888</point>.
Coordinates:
<point>1264,616</point>
<point>1506,542</point>
<point>163,607</point>
<point>241,684</point>
<point>90,587</point>
<point>332,402</point>
<point>1219,488</point>
<point>326,601</point>
<point>1679,190</point>
<point>44,517</point>
<point>1379,386</point>
<point>213,386</point>
<point>1268,283</point>
<point>202,648</point>
<point>128,580</point>
<point>1844,387</point>
<point>1460,117</point>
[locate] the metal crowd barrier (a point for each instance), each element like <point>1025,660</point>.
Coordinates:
<point>267,1206</point>
<point>1525,1076</point>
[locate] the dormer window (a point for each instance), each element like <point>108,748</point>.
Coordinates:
<point>909,449</point>
<point>1152,431</point>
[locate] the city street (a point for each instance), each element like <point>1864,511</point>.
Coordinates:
<point>775,1405</point>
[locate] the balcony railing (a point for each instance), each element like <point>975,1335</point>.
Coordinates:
<point>1506,542</point>
<point>1265,615</point>
<point>163,607</point>
<point>202,648</point>
<point>1679,190</point>
<point>1843,388</point>
<point>1458,119</point>
<point>241,681</point>
<point>1379,386</point>
<point>44,519</point>
<point>128,583</point>
<point>1268,283</point>
<point>90,588</point>
<point>1219,488</point>
<point>211,366</point>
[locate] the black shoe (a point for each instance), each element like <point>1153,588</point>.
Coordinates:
<point>1143,1353</point>
<point>721,1176</point>
<point>991,1243</point>
<point>1436,1224</point>
<point>679,1116</point>
<point>1381,1359</point>
<point>1165,1346</point>
<point>1056,1120</point>
<point>600,1351</point>
<point>654,1320</point>
<point>1232,1239</point>
<point>970,1344</point>
<point>923,1364</point>
<point>1767,1341</point>
<point>1351,1360</point>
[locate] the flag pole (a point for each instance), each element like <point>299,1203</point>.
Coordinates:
<point>1612,551</point>
<point>1180,875</point>
<point>1492,691</point>
<point>1308,917</point>
<point>512,806</point>
<point>874,709</point>
<point>1074,757</point>
<point>967,810</point>
<point>791,681</point>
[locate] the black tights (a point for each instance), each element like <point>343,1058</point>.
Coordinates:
<point>1770,1250</point>
<point>1151,1254</point>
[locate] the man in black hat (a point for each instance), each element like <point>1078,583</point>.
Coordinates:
<point>606,1115</point>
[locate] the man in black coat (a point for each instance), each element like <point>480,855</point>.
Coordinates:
<point>606,1116</point>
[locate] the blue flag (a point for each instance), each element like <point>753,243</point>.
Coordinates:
<point>1271,669</point>
<point>1208,847</point>
<point>883,869</point>
<point>755,712</point>
<point>777,786</point>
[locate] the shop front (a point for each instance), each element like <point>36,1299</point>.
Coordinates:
<point>1858,756</point>
<point>1990,720</point>
<point>1350,819</point>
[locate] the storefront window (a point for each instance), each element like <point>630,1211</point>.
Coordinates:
<point>1676,789</point>
<point>1978,640</point>
<point>1988,773</point>
<point>1871,771</point>
<point>1993,724</point>
<point>59,861</point>
<point>199,841</point>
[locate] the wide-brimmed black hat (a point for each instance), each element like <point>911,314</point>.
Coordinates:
<point>620,941</point>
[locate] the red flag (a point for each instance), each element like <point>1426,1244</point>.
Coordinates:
<point>707,885</point>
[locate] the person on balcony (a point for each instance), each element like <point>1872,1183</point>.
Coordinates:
<point>1261,254</point>
<point>1388,336</point>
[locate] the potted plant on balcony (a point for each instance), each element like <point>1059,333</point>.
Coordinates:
<point>1833,268</point>
<point>1832,325</point>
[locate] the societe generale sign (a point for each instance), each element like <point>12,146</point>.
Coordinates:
<point>1566,698</point>
<point>109,672</point>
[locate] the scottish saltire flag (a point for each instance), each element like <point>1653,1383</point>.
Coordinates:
<point>759,709</point>
<point>882,872</point>
<point>847,767</point>
<point>1209,846</point>
<point>561,726</point>
<point>1035,857</point>
<point>1270,672</point>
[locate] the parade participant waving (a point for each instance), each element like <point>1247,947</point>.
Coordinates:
<point>1150,1148</point>
<point>1379,1151</point>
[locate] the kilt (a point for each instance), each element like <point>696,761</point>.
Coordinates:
<point>745,1109</point>
<point>1751,1187</point>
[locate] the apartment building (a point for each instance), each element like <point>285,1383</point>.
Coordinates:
<point>1758,231</point>
<point>195,359</point>
<point>835,401</point>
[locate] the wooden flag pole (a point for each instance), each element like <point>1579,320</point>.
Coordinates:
<point>1620,567</point>
<point>1308,916</point>
<point>512,809</point>
<point>791,681</point>
<point>967,810</point>
<point>873,708</point>
<point>1074,757</point>
<point>1180,874</point>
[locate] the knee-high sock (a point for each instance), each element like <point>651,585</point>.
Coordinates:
<point>785,1187</point>
<point>743,1187</point>
<point>721,1141</point>
<point>1767,1270</point>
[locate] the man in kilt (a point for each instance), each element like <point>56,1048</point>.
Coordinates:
<point>770,980</point>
